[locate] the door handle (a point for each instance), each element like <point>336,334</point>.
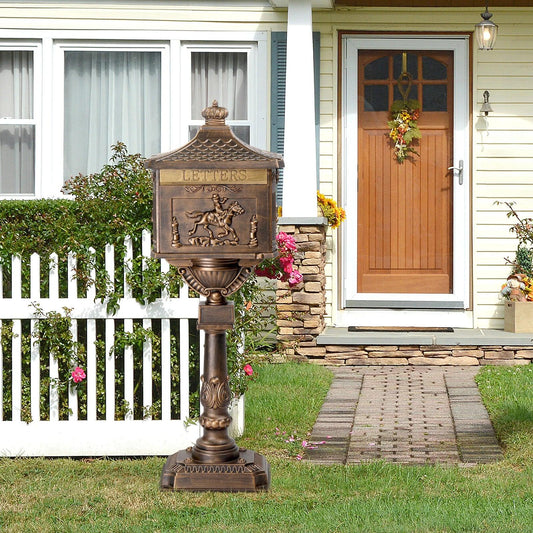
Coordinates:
<point>459,170</point>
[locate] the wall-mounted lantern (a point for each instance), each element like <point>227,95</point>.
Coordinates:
<point>214,218</point>
<point>486,107</point>
<point>486,30</point>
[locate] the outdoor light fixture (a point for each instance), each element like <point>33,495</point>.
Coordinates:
<point>486,30</point>
<point>486,108</point>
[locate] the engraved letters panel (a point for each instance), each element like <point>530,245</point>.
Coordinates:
<point>212,176</point>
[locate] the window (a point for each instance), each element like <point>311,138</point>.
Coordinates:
<point>226,74</point>
<point>110,96</point>
<point>428,81</point>
<point>17,122</point>
<point>65,100</point>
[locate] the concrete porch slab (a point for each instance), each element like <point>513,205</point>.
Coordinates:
<point>459,337</point>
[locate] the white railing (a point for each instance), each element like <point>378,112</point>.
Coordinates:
<point>72,427</point>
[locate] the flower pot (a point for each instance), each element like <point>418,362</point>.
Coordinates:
<point>518,317</point>
<point>236,411</point>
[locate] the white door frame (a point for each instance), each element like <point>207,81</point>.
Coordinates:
<point>459,300</point>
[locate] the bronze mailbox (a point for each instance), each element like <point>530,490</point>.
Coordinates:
<point>214,218</point>
<point>214,198</point>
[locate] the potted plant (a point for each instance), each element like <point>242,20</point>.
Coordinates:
<point>518,289</point>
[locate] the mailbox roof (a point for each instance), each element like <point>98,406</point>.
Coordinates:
<point>216,147</point>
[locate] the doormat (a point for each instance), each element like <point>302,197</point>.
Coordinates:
<point>399,329</point>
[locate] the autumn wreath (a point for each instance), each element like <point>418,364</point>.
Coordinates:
<point>404,115</point>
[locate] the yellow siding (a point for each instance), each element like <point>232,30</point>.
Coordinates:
<point>503,159</point>
<point>134,15</point>
<point>502,155</point>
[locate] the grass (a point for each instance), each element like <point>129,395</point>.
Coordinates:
<point>508,395</point>
<point>39,495</point>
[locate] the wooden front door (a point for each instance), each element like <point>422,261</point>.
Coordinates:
<point>405,211</point>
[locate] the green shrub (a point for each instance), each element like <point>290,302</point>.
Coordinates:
<point>105,208</point>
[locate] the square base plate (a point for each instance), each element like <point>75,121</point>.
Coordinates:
<point>249,473</point>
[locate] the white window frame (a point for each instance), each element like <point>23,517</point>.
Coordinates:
<point>59,93</point>
<point>36,48</point>
<point>257,99</point>
<point>449,309</point>
<point>49,47</point>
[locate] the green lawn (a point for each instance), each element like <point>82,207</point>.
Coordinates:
<point>122,496</point>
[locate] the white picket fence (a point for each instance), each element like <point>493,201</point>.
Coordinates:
<point>92,436</point>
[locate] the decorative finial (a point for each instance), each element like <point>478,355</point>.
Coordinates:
<point>215,115</point>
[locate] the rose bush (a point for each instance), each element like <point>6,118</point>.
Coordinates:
<point>281,267</point>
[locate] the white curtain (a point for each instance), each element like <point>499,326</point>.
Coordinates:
<point>110,97</point>
<point>17,141</point>
<point>220,76</point>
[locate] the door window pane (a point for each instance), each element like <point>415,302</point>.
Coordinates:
<point>412,65</point>
<point>433,69</point>
<point>377,69</point>
<point>110,97</point>
<point>17,141</point>
<point>434,98</point>
<point>221,76</point>
<point>376,98</point>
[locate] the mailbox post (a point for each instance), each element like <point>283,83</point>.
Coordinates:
<point>214,218</point>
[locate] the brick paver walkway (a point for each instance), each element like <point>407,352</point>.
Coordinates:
<point>405,415</point>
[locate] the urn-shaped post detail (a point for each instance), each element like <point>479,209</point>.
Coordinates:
<point>214,218</point>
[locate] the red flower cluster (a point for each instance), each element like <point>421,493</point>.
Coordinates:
<point>282,267</point>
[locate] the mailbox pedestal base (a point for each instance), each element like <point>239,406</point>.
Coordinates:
<point>215,462</point>
<point>249,473</point>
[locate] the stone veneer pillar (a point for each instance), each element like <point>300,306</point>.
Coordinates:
<point>301,309</point>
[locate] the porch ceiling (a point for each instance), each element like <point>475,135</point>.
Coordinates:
<point>434,3</point>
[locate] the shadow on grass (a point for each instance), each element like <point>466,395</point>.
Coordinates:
<point>512,419</point>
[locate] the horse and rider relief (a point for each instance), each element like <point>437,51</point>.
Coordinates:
<point>217,223</point>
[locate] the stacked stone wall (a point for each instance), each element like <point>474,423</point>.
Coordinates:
<point>421,355</point>
<point>301,309</point>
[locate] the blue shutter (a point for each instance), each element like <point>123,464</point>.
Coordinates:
<point>277,92</point>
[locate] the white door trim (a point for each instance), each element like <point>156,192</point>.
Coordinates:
<point>460,298</point>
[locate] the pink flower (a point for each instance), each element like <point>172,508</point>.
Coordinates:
<point>295,278</point>
<point>287,266</point>
<point>282,237</point>
<point>78,375</point>
<point>286,241</point>
<point>282,267</point>
<point>248,370</point>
